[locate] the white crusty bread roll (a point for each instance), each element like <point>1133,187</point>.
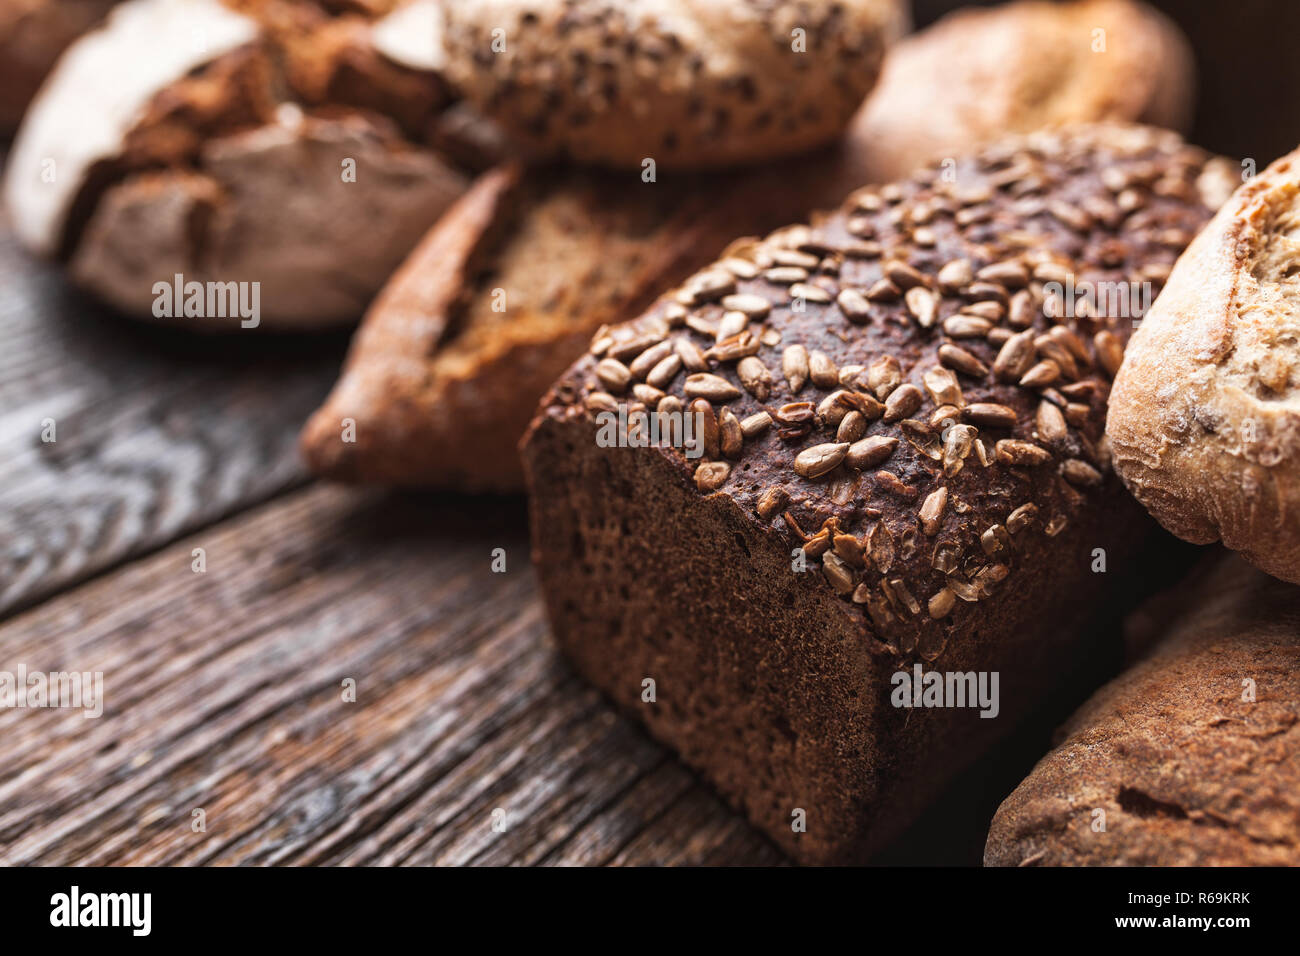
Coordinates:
<point>1205,415</point>
<point>688,83</point>
<point>209,139</point>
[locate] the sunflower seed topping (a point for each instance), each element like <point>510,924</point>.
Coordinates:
<point>820,459</point>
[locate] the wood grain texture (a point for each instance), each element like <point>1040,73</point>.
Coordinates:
<point>223,692</point>
<point>156,433</point>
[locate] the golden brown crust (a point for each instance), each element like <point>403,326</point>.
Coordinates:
<point>707,83</point>
<point>982,73</point>
<point>1205,420</point>
<point>486,313</point>
<point>1172,757</point>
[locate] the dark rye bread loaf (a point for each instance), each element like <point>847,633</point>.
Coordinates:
<point>1187,768</point>
<point>889,401</point>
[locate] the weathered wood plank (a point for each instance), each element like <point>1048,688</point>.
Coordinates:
<point>223,693</point>
<point>156,433</point>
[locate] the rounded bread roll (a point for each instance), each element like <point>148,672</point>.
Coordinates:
<point>1204,418</point>
<point>691,83</point>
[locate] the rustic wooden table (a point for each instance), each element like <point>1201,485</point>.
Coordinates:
<point>224,689</point>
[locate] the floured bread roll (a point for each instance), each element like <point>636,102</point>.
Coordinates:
<point>1205,416</point>
<point>273,145</point>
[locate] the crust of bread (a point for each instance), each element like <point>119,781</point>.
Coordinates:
<point>982,73</point>
<point>689,83</point>
<point>951,480</point>
<point>1205,417</point>
<point>1184,769</point>
<point>229,221</point>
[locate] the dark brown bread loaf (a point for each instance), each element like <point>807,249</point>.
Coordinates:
<point>1184,766</point>
<point>889,402</point>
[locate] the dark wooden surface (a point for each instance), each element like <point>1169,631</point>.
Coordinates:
<point>223,689</point>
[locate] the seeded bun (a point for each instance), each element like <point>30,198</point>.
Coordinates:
<point>1205,420</point>
<point>1183,769</point>
<point>979,74</point>
<point>885,397</point>
<point>689,83</point>
<point>219,151</point>
<point>32,35</point>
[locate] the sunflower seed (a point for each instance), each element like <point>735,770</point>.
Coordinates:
<point>1050,424</point>
<point>942,386</point>
<point>956,447</point>
<point>715,388</point>
<point>1010,273</point>
<point>880,545</point>
<point>647,360</point>
<point>1051,348</point>
<point>754,425</point>
<point>961,326</point>
<point>733,323</point>
<point>955,275</point>
<point>613,374</point>
<point>1022,518</point>
<point>711,475</point>
<point>854,305</point>
<point>852,427</point>
<point>1022,310</point>
<point>1044,373</point>
<point>690,355</point>
<point>1011,451</point>
<point>786,275</point>
<point>773,500</point>
<point>794,366</point>
<point>839,574</point>
<point>647,394</point>
<point>941,603</point>
<point>809,292</point>
<point>904,596</point>
<point>884,376</point>
<point>664,371</point>
<point>823,371</point>
<point>734,348</point>
<point>709,421</point>
<point>1110,351</point>
<point>923,305</point>
<point>1015,357</point>
<point>819,459</point>
<point>932,510</point>
<point>753,306</point>
<point>1078,472</point>
<point>956,357</point>
<point>601,402</point>
<point>882,290</point>
<point>753,374</point>
<point>989,415</point>
<point>902,402</point>
<point>870,452</point>
<point>903,275</point>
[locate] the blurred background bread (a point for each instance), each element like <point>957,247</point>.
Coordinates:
<point>1191,757</point>
<point>32,35</point>
<point>696,84</point>
<point>250,141</point>
<point>1205,417</point>
<point>978,73</point>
